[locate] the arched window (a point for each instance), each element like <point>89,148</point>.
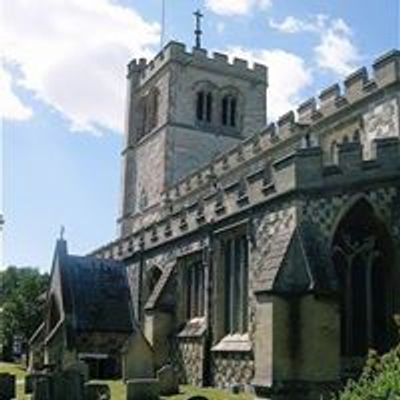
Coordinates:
<point>209,102</point>
<point>204,103</point>
<point>229,110</point>
<point>233,112</point>
<point>200,105</point>
<point>362,252</point>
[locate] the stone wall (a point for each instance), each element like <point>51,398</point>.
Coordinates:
<point>232,368</point>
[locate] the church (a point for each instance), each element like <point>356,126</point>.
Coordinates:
<point>250,255</point>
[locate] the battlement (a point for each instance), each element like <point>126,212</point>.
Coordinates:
<point>301,170</point>
<point>356,87</point>
<point>288,127</point>
<point>217,62</point>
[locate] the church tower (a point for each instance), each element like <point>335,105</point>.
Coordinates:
<point>183,109</point>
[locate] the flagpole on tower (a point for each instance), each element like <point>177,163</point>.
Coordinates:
<point>162,35</point>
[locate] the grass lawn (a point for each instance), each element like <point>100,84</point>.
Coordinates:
<point>20,373</point>
<point>118,389</point>
<point>118,393</point>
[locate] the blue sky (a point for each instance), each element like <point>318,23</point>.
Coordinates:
<point>62,92</point>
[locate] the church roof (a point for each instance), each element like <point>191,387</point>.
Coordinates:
<point>298,261</point>
<point>95,293</point>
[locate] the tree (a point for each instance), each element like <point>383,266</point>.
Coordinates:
<point>21,304</point>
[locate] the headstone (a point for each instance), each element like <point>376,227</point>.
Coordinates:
<point>68,385</point>
<point>7,386</point>
<point>29,382</point>
<point>142,389</point>
<point>42,388</point>
<point>97,391</point>
<point>197,397</point>
<point>168,381</point>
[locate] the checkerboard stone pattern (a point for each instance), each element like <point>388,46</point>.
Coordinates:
<point>325,212</point>
<point>232,368</point>
<point>188,360</point>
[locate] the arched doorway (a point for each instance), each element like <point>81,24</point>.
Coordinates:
<point>363,256</point>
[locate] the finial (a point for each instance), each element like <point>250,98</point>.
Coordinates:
<point>198,32</point>
<point>62,232</point>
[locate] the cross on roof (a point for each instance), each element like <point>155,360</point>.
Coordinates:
<point>198,32</point>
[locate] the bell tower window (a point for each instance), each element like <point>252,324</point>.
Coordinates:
<point>200,106</point>
<point>229,111</point>
<point>204,105</point>
<point>209,101</point>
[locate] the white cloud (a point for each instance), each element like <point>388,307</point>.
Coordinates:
<point>72,55</point>
<point>295,25</point>
<point>236,7</point>
<point>11,107</point>
<point>335,50</point>
<point>287,73</point>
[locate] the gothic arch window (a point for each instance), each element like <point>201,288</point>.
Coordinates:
<point>204,105</point>
<point>234,282</point>
<point>363,256</point>
<point>229,111</point>
<point>231,105</point>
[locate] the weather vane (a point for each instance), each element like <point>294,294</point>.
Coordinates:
<point>198,32</point>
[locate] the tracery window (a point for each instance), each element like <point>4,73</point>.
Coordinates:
<point>235,275</point>
<point>194,290</point>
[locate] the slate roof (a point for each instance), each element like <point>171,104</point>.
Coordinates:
<point>298,261</point>
<point>95,293</point>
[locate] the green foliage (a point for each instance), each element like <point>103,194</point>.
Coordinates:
<point>380,379</point>
<point>21,307</point>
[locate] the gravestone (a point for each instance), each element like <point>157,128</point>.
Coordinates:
<point>68,385</point>
<point>142,389</point>
<point>42,388</point>
<point>197,397</point>
<point>7,386</point>
<point>97,391</point>
<point>168,381</point>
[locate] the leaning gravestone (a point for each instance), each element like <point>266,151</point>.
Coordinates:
<point>7,386</point>
<point>168,381</point>
<point>142,389</point>
<point>97,391</point>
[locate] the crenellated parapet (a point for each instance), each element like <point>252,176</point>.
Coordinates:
<point>176,52</point>
<point>301,171</point>
<point>356,87</point>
